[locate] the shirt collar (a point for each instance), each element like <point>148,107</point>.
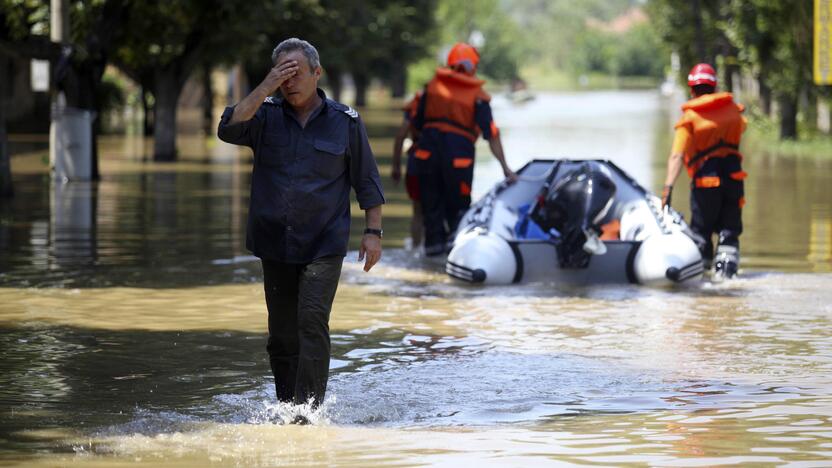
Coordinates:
<point>325,103</point>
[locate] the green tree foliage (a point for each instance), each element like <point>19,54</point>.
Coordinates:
<point>771,39</point>
<point>638,52</point>
<point>775,41</point>
<point>166,41</point>
<point>692,27</point>
<point>594,51</point>
<point>574,36</point>
<point>369,39</point>
<point>557,27</point>
<point>504,48</point>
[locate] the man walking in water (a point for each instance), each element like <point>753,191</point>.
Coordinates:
<point>452,112</point>
<point>308,152</point>
<point>707,142</point>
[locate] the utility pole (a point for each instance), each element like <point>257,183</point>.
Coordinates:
<point>59,22</point>
<point>70,130</point>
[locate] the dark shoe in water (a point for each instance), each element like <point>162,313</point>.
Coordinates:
<point>301,420</point>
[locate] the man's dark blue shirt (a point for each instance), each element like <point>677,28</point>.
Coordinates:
<point>300,185</point>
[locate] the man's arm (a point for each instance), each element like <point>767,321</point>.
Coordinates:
<point>674,166</point>
<point>497,150</point>
<point>246,108</point>
<point>371,243</point>
<point>681,142</point>
<point>396,169</point>
<point>239,125</point>
<point>366,182</point>
<point>490,132</point>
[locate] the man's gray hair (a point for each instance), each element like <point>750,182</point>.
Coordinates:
<point>294,43</point>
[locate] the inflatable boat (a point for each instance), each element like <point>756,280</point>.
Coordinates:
<point>576,222</point>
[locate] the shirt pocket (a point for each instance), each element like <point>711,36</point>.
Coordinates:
<point>274,148</point>
<point>329,158</point>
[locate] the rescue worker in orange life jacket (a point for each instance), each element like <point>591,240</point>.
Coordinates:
<point>453,111</point>
<point>707,142</point>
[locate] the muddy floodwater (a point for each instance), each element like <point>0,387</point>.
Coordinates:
<point>132,323</point>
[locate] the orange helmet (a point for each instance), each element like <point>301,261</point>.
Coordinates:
<point>702,73</point>
<point>465,56</point>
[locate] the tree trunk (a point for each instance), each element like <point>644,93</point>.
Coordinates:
<point>90,76</point>
<point>398,85</point>
<point>148,111</point>
<point>765,96</point>
<point>6,188</point>
<point>333,79</point>
<point>699,38</point>
<point>788,117</point>
<point>164,134</point>
<point>96,130</point>
<point>361,84</point>
<point>809,103</point>
<point>207,102</point>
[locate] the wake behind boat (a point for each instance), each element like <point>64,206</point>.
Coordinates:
<point>573,221</point>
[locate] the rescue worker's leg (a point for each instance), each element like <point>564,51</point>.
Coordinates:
<point>317,283</point>
<point>705,204</point>
<point>458,172</point>
<point>280,281</point>
<point>459,176</point>
<point>426,164</point>
<point>416,223</point>
<point>727,258</point>
<point>432,190</point>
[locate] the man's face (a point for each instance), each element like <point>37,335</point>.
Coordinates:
<point>467,69</point>
<point>299,89</point>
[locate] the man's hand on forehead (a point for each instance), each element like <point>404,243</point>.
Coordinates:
<point>288,61</point>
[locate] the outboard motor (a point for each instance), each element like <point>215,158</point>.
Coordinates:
<point>574,207</point>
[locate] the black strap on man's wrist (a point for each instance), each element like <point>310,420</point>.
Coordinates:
<point>375,232</point>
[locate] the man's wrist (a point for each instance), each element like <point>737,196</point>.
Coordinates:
<point>376,232</point>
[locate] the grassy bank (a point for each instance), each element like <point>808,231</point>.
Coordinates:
<point>547,79</point>
<point>763,136</point>
<point>542,78</point>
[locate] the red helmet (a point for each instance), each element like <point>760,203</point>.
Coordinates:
<point>702,73</point>
<point>464,55</point>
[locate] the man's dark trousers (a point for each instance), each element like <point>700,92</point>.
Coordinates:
<point>718,210</point>
<point>441,182</point>
<point>299,298</point>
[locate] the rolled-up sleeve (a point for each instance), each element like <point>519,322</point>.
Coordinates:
<point>485,120</point>
<point>364,176</point>
<point>240,133</point>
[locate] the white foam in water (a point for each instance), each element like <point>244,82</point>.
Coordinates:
<point>260,407</point>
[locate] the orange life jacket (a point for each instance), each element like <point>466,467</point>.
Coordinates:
<point>412,106</point>
<point>715,123</point>
<point>451,98</point>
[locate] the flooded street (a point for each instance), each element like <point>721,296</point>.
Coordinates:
<point>132,324</point>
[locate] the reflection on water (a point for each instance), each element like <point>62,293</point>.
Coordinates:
<point>597,375</point>
<point>820,240</point>
<point>132,326</point>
